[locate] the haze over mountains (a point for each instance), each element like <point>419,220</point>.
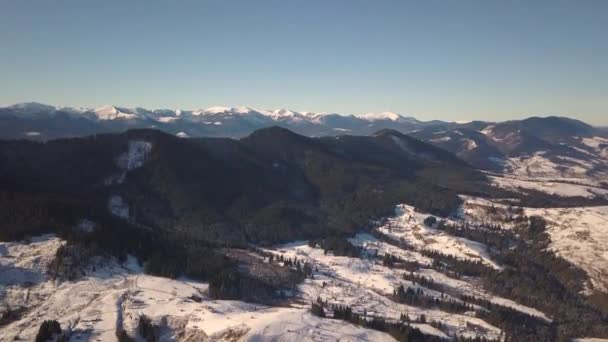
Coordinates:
<point>550,146</point>
<point>41,121</point>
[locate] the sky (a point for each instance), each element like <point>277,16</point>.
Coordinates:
<point>450,60</point>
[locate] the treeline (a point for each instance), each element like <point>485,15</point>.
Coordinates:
<point>456,267</point>
<point>233,285</point>
<point>417,297</point>
<point>394,261</point>
<point>338,246</point>
<point>303,269</point>
<point>518,326</point>
<point>423,281</point>
<point>398,330</point>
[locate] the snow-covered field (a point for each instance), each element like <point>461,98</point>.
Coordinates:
<point>115,295</point>
<point>538,165</point>
<point>408,225</point>
<point>364,284</point>
<point>559,187</point>
<point>580,235</point>
<point>586,159</point>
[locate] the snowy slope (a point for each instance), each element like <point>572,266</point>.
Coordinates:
<point>561,187</point>
<point>364,285</point>
<point>580,235</point>
<point>114,295</point>
<point>409,225</point>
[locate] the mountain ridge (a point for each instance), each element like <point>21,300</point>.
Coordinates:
<point>536,146</point>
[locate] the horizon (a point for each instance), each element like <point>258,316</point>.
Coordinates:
<point>261,110</point>
<point>465,61</point>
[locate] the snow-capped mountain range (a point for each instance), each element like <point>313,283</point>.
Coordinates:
<point>23,120</point>
<point>537,146</point>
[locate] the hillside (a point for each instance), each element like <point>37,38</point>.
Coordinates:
<point>250,187</point>
<point>551,147</point>
<point>398,243</point>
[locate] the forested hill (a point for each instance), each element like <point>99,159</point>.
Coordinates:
<point>272,185</point>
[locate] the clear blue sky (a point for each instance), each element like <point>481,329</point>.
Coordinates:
<point>455,60</point>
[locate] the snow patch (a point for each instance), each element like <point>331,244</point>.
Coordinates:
<point>135,156</point>
<point>442,139</point>
<point>109,112</point>
<point>470,144</point>
<point>118,207</point>
<point>379,116</point>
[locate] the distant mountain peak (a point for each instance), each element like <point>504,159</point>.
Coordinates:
<point>390,116</point>
<point>281,113</point>
<point>110,112</point>
<point>380,116</point>
<point>33,107</point>
<point>223,110</point>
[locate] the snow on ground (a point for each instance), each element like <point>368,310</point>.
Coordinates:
<point>365,285</point>
<point>375,247</point>
<point>118,207</point>
<point>599,146</point>
<point>464,287</point>
<point>133,158</point>
<point>534,166</point>
<point>455,285</point>
<point>580,235</point>
<point>409,225</point>
<point>539,166</point>
<point>442,139</point>
<point>302,326</point>
<point>114,295</point>
<point>470,144</point>
<point>161,297</point>
<point>595,142</point>
<point>549,186</point>
<point>476,210</point>
<point>135,155</point>
<point>569,180</point>
<point>20,265</point>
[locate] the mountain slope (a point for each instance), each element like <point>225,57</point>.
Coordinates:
<point>228,191</point>
<point>534,147</point>
<point>537,147</point>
